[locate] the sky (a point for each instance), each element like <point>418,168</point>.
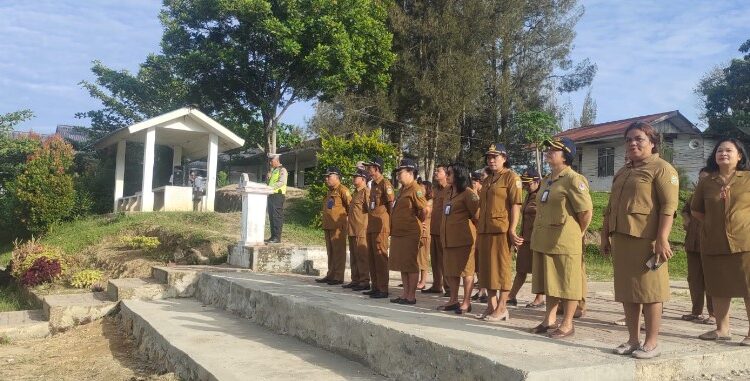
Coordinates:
<point>650,54</point>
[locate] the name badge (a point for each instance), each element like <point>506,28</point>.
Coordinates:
<point>545,195</point>
<point>372,205</point>
<point>329,204</point>
<point>447,209</point>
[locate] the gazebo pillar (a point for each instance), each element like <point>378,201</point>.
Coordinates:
<point>176,156</point>
<point>147,192</point>
<point>119,173</point>
<point>211,164</point>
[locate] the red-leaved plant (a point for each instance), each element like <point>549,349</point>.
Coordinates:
<point>42,271</point>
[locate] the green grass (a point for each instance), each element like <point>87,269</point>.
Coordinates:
<point>11,299</point>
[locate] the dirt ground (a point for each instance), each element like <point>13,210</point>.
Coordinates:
<point>96,351</point>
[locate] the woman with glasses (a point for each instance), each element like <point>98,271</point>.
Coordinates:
<point>458,233</point>
<point>636,227</point>
<point>564,211</point>
<point>722,202</point>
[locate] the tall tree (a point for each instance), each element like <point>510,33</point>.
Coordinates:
<point>588,112</point>
<point>9,120</point>
<point>265,55</point>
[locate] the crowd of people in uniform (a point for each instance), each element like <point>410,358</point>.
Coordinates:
<point>467,224</point>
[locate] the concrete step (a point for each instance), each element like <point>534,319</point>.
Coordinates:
<point>204,343</point>
<point>69,310</point>
<point>136,288</point>
<point>181,280</point>
<point>22,325</point>
<point>420,343</point>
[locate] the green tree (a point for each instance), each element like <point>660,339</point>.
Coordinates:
<point>588,112</point>
<point>11,119</point>
<point>265,55</point>
<point>537,126</point>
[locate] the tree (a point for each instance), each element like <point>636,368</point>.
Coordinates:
<point>725,93</point>
<point>588,112</point>
<point>264,55</point>
<point>11,119</point>
<point>537,127</point>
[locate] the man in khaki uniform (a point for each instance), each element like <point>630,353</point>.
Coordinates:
<point>335,208</point>
<point>358,254</point>
<point>378,228</point>
<point>439,188</point>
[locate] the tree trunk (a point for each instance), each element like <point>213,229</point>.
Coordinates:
<point>269,131</point>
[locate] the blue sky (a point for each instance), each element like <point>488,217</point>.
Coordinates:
<point>650,53</point>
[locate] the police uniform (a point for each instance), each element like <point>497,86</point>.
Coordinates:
<point>725,242</point>
<point>378,228</point>
<point>458,233</point>
<point>335,207</point>
<point>359,261</point>
<point>640,196</point>
<point>524,255</point>
<point>424,242</point>
<point>277,178</point>
<point>556,240</point>
<point>500,192</point>
<point>696,283</point>
<point>436,220</point>
<point>406,228</point>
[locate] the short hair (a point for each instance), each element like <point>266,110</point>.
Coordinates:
<point>444,166</point>
<point>427,189</point>
<point>461,177</point>
<point>568,158</point>
<point>647,129</point>
<point>742,165</point>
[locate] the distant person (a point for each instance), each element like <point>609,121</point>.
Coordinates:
<point>439,186</point>
<point>424,243</point>
<point>335,208</point>
<point>359,262</point>
<point>378,228</point>
<point>277,181</point>
<point>696,282</point>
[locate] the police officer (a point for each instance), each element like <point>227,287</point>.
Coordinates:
<point>721,202</point>
<point>531,182</point>
<point>695,280</point>
<point>500,206</point>
<point>358,254</point>
<point>277,181</point>
<point>335,207</point>
<point>636,227</point>
<point>439,186</point>
<point>564,211</point>
<point>406,230</point>
<point>378,228</point>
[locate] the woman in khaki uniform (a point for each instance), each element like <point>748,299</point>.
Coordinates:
<point>695,279</point>
<point>406,230</point>
<point>335,208</point>
<point>358,254</point>
<point>722,202</point>
<point>500,208</point>
<point>424,243</point>
<point>531,182</point>
<point>460,213</point>
<point>564,211</point>
<point>636,227</point>
<point>436,249</point>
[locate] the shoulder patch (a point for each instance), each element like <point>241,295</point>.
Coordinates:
<point>674,180</point>
<point>474,196</point>
<point>581,186</point>
<point>389,190</point>
<point>518,184</point>
<point>419,194</point>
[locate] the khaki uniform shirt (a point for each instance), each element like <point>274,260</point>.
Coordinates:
<point>693,231</point>
<point>640,195</point>
<point>499,193</point>
<point>436,218</point>
<point>381,196</point>
<point>335,206</point>
<point>529,215</point>
<point>426,224</point>
<point>457,214</point>
<point>726,226</point>
<point>556,228</point>
<point>408,205</point>
<point>358,213</point>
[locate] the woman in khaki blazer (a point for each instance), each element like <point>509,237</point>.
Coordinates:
<point>636,227</point>
<point>722,202</point>
<point>458,234</point>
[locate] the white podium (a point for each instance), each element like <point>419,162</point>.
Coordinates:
<point>254,203</point>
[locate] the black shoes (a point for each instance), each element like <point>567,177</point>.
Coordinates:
<point>512,302</point>
<point>335,282</point>
<point>349,285</point>
<point>273,240</point>
<point>370,292</point>
<point>379,295</point>
<point>361,287</point>
<point>322,280</point>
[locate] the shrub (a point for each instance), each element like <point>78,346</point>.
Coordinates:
<point>85,278</point>
<point>43,270</point>
<point>222,179</point>
<point>44,191</point>
<point>140,242</point>
<point>32,253</point>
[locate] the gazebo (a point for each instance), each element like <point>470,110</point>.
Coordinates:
<point>189,133</point>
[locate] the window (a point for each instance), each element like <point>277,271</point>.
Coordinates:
<point>606,162</point>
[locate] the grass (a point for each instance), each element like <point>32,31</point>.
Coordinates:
<point>11,299</point>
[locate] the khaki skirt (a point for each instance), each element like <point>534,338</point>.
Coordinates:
<point>404,253</point>
<point>423,260</point>
<point>557,275</point>
<point>524,259</point>
<point>727,276</point>
<point>634,283</point>
<point>494,261</point>
<point>458,261</point>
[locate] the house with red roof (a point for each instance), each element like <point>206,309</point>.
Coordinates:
<point>601,147</point>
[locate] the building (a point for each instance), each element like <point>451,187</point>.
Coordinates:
<point>300,163</point>
<point>601,147</point>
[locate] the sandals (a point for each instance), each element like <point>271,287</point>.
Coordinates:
<point>461,311</point>
<point>714,336</point>
<point>535,305</point>
<point>693,317</point>
<point>560,334</point>
<point>504,317</point>
<point>644,354</point>
<point>626,348</point>
<point>541,328</point>
<point>709,320</point>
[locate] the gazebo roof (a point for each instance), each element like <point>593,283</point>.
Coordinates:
<point>186,127</point>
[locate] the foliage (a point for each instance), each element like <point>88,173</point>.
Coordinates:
<point>289,136</point>
<point>345,152</point>
<point>264,55</point>
<point>140,242</point>
<point>85,278</point>
<point>536,127</point>
<point>11,299</point>
<point>11,119</point>
<point>25,255</point>
<point>588,112</point>
<point>222,179</point>
<point>43,270</point>
<point>724,93</point>
<point>44,192</point>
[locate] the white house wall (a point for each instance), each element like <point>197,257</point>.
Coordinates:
<point>589,164</point>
